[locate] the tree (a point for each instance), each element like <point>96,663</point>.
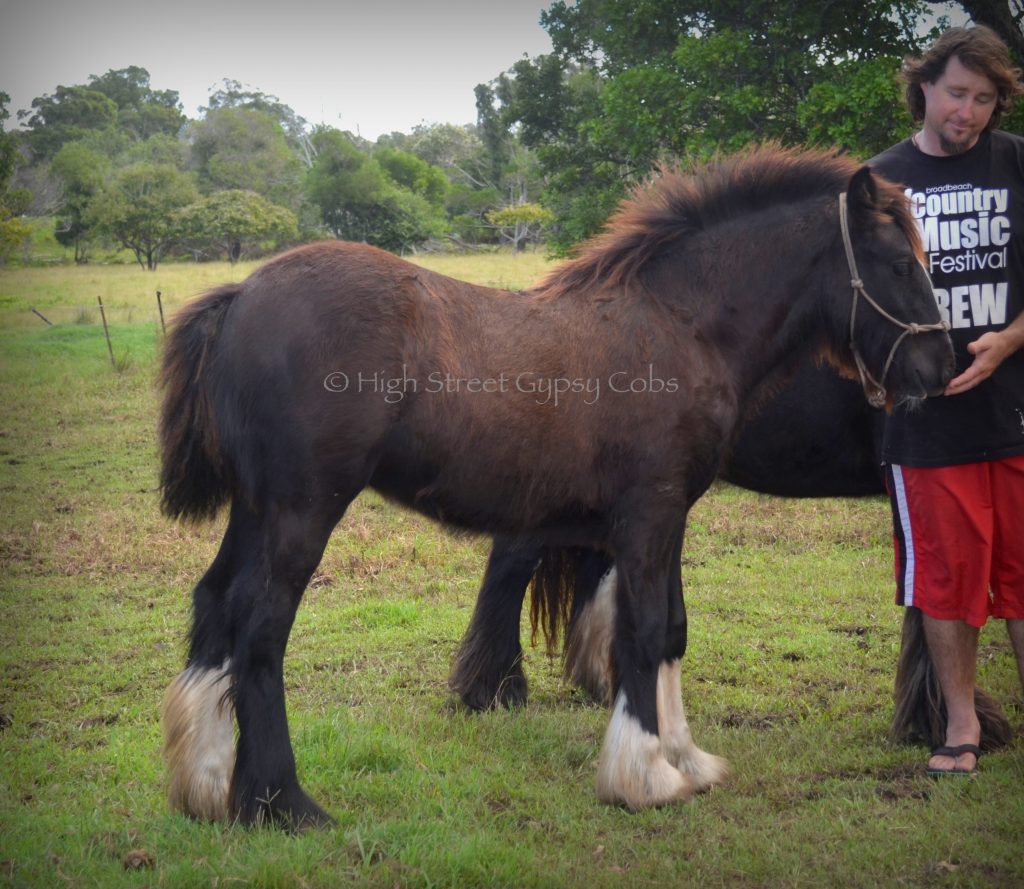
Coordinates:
<point>82,173</point>
<point>13,230</point>
<point>467,163</point>
<point>235,220</point>
<point>358,201</point>
<point>520,223</point>
<point>233,94</point>
<point>66,116</point>
<point>158,149</point>
<point>414,174</point>
<point>137,208</point>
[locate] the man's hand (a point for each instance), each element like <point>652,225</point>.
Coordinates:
<point>989,351</point>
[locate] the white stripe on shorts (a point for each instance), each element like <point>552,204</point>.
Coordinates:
<point>908,534</point>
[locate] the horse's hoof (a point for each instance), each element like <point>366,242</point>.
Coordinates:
<point>655,784</point>
<point>292,811</point>
<point>633,771</point>
<point>313,818</point>
<point>707,769</point>
<point>510,692</point>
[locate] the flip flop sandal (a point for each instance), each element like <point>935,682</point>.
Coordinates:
<point>956,752</point>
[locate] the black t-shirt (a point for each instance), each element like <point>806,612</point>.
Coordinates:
<point>971,211</point>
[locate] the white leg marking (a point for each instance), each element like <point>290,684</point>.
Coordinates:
<point>199,742</point>
<point>632,771</point>
<point>674,731</point>
<point>588,651</point>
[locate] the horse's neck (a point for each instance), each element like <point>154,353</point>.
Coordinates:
<point>767,312</point>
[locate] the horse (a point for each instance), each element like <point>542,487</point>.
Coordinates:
<point>818,437</point>
<point>591,412</point>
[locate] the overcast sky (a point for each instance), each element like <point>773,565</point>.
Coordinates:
<point>371,66</point>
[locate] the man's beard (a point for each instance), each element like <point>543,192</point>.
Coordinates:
<point>951,147</point>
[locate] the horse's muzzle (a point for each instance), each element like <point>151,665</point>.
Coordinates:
<point>925,367</point>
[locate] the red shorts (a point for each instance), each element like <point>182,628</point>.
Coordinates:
<point>959,539</point>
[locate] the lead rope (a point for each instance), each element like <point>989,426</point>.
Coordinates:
<point>876,394</point>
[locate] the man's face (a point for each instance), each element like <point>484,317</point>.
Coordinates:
<point>958,107</point>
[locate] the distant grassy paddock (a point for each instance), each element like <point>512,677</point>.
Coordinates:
<point>789,672</point>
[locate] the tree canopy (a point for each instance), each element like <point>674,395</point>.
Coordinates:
<point>106,151</point>
<point>358,200</point>
<point>238,147</point>
<point>629,85</point>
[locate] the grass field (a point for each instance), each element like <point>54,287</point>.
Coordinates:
<point>793,639</point>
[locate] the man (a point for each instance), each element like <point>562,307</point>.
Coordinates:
<point>955,464</point>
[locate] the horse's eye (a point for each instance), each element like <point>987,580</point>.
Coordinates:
<point>903,268</point>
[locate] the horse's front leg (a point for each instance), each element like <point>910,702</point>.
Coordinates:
<point>677,744</point>
<point>633,770</point>
<point>673,729</point>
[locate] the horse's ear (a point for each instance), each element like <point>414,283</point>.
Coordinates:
<point>862,193</point>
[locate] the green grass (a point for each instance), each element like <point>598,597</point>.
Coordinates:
<point>793,639</point>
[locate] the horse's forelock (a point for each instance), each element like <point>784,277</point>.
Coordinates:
<point>894,202</point>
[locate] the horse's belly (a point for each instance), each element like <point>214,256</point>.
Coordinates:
<point>491,503</point>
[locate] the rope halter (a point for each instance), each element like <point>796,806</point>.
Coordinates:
<point>874,390</point>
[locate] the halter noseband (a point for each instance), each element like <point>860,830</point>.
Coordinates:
<point>874,390</point>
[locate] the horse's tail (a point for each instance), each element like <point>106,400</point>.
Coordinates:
<point>920,713</point>
<point>195,479</point>
<point>564,585</point>
<point>552,591</point>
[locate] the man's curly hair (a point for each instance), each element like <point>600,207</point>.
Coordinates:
<point>979,49</point>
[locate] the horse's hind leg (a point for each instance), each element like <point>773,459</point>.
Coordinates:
<point>488,667</point>
<point>265,786</point>
<point>199,742</point>
<point>591,629</point>
<point>243,612</point>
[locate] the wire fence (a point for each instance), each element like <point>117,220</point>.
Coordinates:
<point>101,313</point>
<point>104,315</point>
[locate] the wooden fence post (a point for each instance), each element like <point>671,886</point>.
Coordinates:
<point>106,333</point>
<point>160,306</point>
